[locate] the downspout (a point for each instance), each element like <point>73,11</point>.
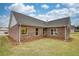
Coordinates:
<point>65,34</point>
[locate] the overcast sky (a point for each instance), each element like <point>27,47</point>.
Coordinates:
<point>42,11</point>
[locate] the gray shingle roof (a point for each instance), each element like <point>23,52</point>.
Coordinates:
<point>27,20</point>
<point>59,22</point>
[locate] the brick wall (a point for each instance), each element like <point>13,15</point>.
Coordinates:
<point>14,32</point>
<point>31,34</point>
<point>60,33</point>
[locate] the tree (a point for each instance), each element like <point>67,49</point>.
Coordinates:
<point>78,27</point>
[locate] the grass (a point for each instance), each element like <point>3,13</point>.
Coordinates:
<point>42,47</point>
<point>4,45</point>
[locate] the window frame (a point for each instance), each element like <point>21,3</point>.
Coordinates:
<point>24,29</point>
<point>51,31</point>
<point>54,31</point>
<point>36,31</point>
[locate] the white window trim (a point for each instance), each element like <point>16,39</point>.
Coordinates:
<point>55,32</point>
<point>26,32</point>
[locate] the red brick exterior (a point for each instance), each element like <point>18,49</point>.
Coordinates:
<point>31,34</point>
<point>14,32</point>
<point>60,33</point>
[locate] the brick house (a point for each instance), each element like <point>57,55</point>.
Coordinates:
<point>23,27</point>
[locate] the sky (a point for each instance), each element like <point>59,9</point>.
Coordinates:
<point>42,11</point>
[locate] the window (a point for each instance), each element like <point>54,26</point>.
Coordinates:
<point>23,30</point>
<point>36,31</point>
<point>53,31</point>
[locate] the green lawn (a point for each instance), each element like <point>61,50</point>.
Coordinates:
<point>42,47</point>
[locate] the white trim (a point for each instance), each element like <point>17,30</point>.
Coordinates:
<point>19,34</point>
<point>55,31</point>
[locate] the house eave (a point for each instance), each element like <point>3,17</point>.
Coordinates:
<point>41,26</point>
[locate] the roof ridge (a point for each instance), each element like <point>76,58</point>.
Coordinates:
<point>28,20</point>
<point>27,15</point>
<point>40,19</point>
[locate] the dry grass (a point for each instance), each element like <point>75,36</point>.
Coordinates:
<point>44,47</point>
